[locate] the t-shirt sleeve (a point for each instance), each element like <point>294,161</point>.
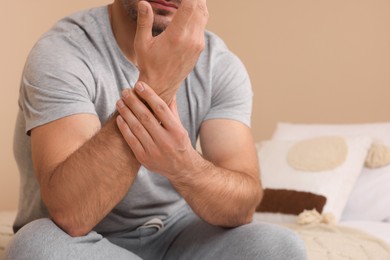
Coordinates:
<point>57,82</point>
<point>231,89</point>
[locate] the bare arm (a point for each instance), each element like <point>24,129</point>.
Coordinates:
<point>227,190</point>
<point>83,171</point>
<point>223,187</point>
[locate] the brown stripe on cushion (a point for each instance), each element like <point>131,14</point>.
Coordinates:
<point>290,201</point>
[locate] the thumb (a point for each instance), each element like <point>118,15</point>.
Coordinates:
<point>144,23</point>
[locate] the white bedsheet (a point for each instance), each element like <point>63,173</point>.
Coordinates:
<point>378,229</point>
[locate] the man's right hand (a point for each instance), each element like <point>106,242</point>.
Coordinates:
<point>166,60</point>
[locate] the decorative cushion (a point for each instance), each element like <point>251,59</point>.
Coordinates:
<point>280,201</point>
<point>290,190</point>
<point>369,199</point>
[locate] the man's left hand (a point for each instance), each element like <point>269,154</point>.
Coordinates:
<point>155,134</point>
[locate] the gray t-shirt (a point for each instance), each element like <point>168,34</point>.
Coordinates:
<point>77,67</point>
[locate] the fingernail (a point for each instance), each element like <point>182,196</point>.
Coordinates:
<point>120,103</point>
<point>139,87</point>
<point>125,93</point>
<point>142,8</point>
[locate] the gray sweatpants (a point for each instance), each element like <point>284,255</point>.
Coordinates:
<point>183,236</point>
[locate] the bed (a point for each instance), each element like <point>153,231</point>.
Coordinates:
<point>357,240</point>
<point>328,183</point>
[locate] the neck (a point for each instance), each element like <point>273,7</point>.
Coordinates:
<point>124,29</point>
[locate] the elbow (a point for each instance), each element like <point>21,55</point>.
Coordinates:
<point>238,220</point>
<point>243,217</point>
<point>69,226</point>
<point>63,212</point>
<point>246,216</point>
<point>65,218</point>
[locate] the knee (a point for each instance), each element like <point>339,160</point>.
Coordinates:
<point>32,240</point>
<point>274,242</point>
<point>291,246</point>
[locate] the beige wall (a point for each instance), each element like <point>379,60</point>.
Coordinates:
<point>310,61</point>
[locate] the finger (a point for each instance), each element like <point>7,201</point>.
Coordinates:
<point>144,24</point>
<point>192,15</point>
<point>183,15</point>
<point>129,137</point>
<point>158,106</point>
<point>201,14</point>
<point>141,112</point>
<point>136,127</point>
<point>199,19</point>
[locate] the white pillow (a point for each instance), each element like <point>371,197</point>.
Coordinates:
<point>280,178</point>
<point>369,199</point>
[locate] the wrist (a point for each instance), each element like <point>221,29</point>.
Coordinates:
<point>163,88</point>
<point>191,174</point>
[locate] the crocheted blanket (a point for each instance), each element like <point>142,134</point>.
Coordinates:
<point>326,241</point>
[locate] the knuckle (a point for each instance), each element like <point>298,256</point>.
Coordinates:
<point>145,118</point>
<point>142,23</point>
<point>137,128</point>
<point>178,39</point>
<point>131,141</point>
<point>160,109</point>
<point>181,136</point>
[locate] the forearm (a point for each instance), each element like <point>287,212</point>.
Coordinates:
<point>219,196</point>
<point>85,187</point>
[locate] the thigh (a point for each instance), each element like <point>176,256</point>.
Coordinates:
<point>253,241</point>
<point>42,239</point>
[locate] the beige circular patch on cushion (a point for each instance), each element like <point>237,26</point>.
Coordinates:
<point>318,154</point>
<point>378,156</point>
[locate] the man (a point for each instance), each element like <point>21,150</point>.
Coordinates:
<point>131,185</point>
